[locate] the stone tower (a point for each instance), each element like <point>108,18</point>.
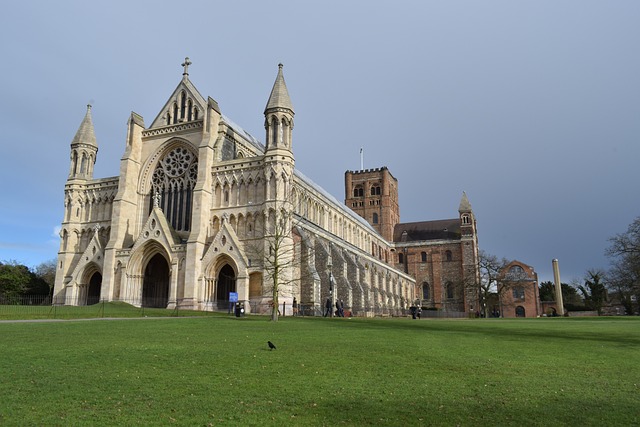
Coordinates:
<point>75,231</point>
<point>469,252</point>
<point>279,164</point>
<point>84,149</point>
<point>373,194</point>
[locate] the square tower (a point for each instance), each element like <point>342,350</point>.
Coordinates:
<point>373,194</point>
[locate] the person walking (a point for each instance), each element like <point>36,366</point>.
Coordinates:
<point>327,306</point>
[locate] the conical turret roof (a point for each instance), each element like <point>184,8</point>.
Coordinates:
<point>85,133</point>
<point>465,206</point>
<point>279,97</point>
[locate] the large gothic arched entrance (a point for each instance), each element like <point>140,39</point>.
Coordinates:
<point>226,283</point>
<point>95,285</point>
<point>155,288</point>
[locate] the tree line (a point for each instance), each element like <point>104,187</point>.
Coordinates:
<point>620,282</point>
<point>18,281</point>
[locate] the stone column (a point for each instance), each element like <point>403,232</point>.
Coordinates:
<point>558,285</point>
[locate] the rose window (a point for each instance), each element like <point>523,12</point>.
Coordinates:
<point>177,161</point>
<point>173,181</point>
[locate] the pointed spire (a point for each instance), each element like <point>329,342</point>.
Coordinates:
<point>465,206</point>
<point>85,133</point>
<point>279,97</point>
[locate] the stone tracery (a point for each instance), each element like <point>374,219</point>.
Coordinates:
<point>174,179</point>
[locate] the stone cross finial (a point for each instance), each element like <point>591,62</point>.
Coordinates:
<point>96,228</point>
<point>186,64</point>
<point>156,200</point>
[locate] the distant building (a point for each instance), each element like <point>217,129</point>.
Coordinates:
<point>441,255</point>
<point>518,291</point>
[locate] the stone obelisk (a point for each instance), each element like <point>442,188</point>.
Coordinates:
<point>556,279</point>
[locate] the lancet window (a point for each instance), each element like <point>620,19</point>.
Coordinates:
<point>182,110</point>
<point>173,181</point>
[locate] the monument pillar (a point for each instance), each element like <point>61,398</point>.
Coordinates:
<point>558,285</point>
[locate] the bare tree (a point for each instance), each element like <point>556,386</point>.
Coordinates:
<point>624,274</point>
<point>281,261</point>
<point>490,268</point>
<point>278,256</point>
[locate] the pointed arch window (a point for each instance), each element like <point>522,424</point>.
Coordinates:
<point>449,290</point>
<point>448,256</point>
<point>75,162</point>
<point>83,164</point>
<point>426,294</point>
<point>375,218</point>
<point>423,256</point>
<point>175,113</point>
<point>183,105</point>
<point>173,181</point>
<point>274,132</point>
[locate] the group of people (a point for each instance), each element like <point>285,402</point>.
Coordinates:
<point>329,306</point>
<point>416,311</point>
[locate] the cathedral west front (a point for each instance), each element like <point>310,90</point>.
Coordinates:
<point>201,210</point>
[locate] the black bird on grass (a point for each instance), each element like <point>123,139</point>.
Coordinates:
<point>271,345</point>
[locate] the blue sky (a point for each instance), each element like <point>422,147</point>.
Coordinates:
<point>530,107</point>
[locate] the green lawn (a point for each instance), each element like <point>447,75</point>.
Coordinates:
<point>218,371</point>
<point>100,310</point>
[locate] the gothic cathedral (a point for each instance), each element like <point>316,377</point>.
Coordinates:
<point>202,210</point>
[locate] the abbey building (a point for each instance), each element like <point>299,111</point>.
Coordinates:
<point>202,210</point>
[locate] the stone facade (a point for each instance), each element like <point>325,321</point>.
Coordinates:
<point>201,208</point>
<point>373,194</point>
<point>441,255</point>
<point>518,291</point>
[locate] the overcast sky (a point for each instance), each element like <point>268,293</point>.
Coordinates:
<point>531,107</point>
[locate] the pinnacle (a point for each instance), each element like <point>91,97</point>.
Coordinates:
<point>85,133</point>
<point>279,97</point>
<point>465,206</point>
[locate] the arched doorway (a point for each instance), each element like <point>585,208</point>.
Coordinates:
<point>520,311</point>
<point>93,293</point>
<point>226,284</point>
<point>155,288</point>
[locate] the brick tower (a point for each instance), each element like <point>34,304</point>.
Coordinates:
<point>373,194</point>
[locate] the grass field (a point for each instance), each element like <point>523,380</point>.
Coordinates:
<point>218,371</point>
<point>100,310</point>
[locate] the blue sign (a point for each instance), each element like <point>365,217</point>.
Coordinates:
<point>233,297</point>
